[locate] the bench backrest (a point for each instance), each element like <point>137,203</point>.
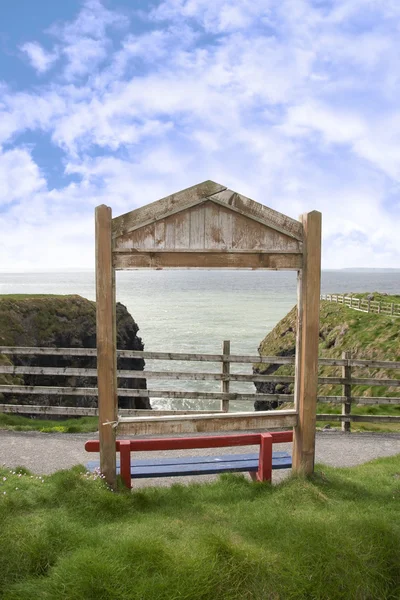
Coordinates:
<point>206,441</point>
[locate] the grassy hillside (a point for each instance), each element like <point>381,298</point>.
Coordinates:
<point>366,336</point>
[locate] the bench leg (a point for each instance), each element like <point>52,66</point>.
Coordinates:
<point>125,462</point>
<point>264,472</point>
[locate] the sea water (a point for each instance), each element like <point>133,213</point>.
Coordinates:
<point>194,311</point>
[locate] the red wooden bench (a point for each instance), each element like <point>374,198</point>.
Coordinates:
<point>258,465</point>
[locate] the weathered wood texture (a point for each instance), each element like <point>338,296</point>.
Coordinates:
<point>106,343</point>
<point>207,423</point>
<point>360,418</point>
<point>207,260</point>
<point>126,392</point>
<point>196,195</point>
<point>232,358</point>
<point>226,349</point>
<point>307,367</point>
<point>346,405</point>
<point>163,207</point>
<point>93,412</point>
<point>208,226</point>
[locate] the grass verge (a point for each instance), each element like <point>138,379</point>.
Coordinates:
<point>19,423</point>
<point>334,536</point>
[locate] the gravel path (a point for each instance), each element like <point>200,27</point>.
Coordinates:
<point>44,453</point>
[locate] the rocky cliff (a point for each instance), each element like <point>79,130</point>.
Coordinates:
<point>366,336</point>
<point>63,322</point>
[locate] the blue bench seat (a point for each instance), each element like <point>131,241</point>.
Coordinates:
<point>199,465</point>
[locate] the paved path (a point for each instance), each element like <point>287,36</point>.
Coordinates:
<point>44,453</point>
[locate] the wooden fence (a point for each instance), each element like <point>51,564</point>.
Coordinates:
<point>225,377</point>
<point>364,304</point>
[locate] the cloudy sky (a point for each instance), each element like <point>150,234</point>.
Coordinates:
<point>294,103</point>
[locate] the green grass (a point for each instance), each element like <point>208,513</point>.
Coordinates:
<point>19,423</point>
<point>335,536</point>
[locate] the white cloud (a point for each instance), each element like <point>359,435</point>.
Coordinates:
<point>40,59</point>
<point>20,176</point>
<point>288,103</point>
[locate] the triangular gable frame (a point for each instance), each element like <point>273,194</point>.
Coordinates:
<point>303,253</point>
<point>141,240</point>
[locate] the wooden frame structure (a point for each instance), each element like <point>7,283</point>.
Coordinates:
<point>209,226</point>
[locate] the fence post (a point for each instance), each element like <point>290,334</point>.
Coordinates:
<point>369,304</point>
<point>226,367</point>
<point>392,309</point>
<point>379,308</point>
<point>346,405</point>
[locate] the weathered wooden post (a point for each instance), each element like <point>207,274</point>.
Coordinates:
<point>106,344</point>
<point>309,281</point>
<point>226,367</point>
<point>346,405</point>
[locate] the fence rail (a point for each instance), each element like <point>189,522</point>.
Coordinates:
<point>225,396</point>
<point>364,304</point>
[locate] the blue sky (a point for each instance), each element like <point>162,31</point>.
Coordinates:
<point>293,103</point>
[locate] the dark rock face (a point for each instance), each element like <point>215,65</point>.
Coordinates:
<point>65,322</point>
<point>266,387</point>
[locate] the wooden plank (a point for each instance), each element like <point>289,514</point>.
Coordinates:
<point>213,240</point>
<point>304,438</point>
<point>93,412</point>
<point>207,260</point>
<point>375,381</point>
<point>48,351</point>
<point>159,235</point>
<point>197,228</point>
<point>163,207</point>
<point>226,349</point>
<point>182,230</point>
<point>126,392</point>
<point>360,418</point>
<point>207,424</point>
<point>259,212</point>
<point>48,390</point>
<point>194,376</point>
<point>232,358</point>
<point>106,343</point>
<point>346,405</point>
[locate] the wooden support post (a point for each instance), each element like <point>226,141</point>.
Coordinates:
<point>392,308</point>
<point>264,472</point>
<point>369,304</point>
<point>346,405</point>
<point>306,385</point>
<point>226,367</point>
<point>106,344</point>
<point>125,462</point>
<point>379,307</point>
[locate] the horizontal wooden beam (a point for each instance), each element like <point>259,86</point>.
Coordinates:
<point>207,260</point>
<point>233,358</point>
<point>81,411</point>
<point>48,351</point>
<point>207,423</point>
<point>135,393</point>
<point>126,374</point>
<point>359,418</point>
<point>362,400</point>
